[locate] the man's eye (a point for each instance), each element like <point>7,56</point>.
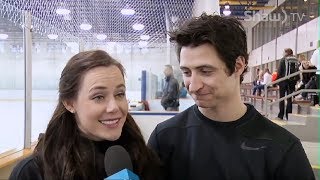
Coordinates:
<point>206,72</point>
<point>186,73</point>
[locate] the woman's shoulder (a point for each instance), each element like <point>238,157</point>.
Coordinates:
<point>26,169</point>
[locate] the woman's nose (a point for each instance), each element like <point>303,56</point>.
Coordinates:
<point>112,105</point>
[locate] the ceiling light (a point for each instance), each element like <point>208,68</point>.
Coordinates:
<point>62,11</point>
<point>144,37</point>
<point>52,36</point>
<point>67,17</point>
<point>85,26</point>
<point>226,12</point>
<point>101,36</point>
<point>3,36</point>
<point>143,43</point>
<point>128,11</point>
<point>138,26</point>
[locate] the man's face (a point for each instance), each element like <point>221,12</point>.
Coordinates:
<point>206,76</point>
<point>167,71</point>
<point>284,54</point>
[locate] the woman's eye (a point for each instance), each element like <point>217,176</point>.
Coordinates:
<point>121,95</point>
<point>98,98</point>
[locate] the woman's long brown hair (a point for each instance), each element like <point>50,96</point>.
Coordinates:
<point>60,153</point>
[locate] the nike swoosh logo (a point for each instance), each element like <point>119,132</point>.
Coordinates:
<point>245,147</point>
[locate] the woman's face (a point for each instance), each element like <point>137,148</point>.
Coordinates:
<point>302,58</point>
<point>101,106</point>
<point>305,64</point>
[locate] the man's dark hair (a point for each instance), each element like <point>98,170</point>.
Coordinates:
<point>288,52</point>
<point>225,34</point>
<point>168,66</point>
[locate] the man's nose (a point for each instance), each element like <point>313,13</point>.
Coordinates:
<point>195,84</point>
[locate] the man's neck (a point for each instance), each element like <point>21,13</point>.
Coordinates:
<point>225,113</point>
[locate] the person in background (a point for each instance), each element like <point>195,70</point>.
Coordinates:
<point>301,59</point>
<point>91,115</point>
<point>307,79</point>
<point>170,95</point>
<point>288,65</point>
<point>274,77</point>
<point>315,62</point>
<point>183,91</point>
<point>220,137</point>
<point>259,78</point>
<point>265,80</point>
<point>257,82</point>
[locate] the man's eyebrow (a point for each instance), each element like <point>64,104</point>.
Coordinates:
<point>182,67</point>
<point>206,66</point>
<point>200,67</point>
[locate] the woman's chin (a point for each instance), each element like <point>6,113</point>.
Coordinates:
<point>113,136</point>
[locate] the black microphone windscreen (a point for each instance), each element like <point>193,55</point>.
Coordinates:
<point>116,159</point>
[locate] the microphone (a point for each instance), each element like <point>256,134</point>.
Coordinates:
<point>118,165</point>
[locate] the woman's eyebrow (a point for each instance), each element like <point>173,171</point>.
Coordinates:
<point>98,88</point>
<point>104,87</point>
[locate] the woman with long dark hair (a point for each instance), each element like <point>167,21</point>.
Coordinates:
<point>91,115</point>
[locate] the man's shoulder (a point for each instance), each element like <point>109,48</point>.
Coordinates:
<point>292,59</point>
<point>263,128</point>
<point>26,169</point>
<point>177,122</point>
<point>173,80</point>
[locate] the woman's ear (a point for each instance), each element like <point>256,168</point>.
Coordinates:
<point>68,104</point>
<point>240,65</point>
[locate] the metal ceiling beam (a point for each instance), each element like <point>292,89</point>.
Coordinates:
<point>237,2</point>
<point>253,5</point>
<point>256,8</point>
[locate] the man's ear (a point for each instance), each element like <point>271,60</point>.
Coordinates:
<point>68,104</point>
<point>240,65</point>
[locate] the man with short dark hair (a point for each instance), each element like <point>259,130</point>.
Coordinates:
<point>220,137</point>
<point>288,65</point>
